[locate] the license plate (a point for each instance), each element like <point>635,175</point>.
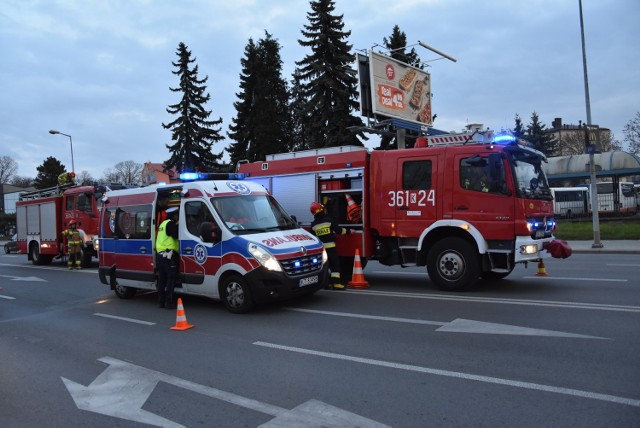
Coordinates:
<point>539,233</point>
<point>308,281</point>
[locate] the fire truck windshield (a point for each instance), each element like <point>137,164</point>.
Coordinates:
<point>253,213</point>
<point>530,180</point>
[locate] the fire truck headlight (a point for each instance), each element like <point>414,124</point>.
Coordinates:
<point>265,258</point>
<point>529,249</point>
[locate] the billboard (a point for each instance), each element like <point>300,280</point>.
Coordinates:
<point>399,90</point>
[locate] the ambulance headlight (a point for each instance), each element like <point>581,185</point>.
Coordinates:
<point>325,256</point>
<point>265,258</point>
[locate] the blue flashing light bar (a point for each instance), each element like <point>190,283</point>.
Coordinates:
<point>193,176</point>
<point>504,137</point>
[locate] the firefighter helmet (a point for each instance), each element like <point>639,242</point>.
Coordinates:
<point>316,207</point>
<point>72,222</point>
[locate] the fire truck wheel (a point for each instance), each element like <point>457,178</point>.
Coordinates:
<point>124,292</point>
<point>86,258</point>
<point>36,257</point>
<point>453,264</point>
<point>235,294</point>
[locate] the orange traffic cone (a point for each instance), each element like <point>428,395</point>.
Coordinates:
<point>542,271</point>
<point>354,211</point>
<point>357,280</point>
<point>181,318</point>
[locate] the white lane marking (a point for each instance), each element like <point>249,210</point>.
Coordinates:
<point>98,314</point>
<point>460,375</point>
<point>122,389</point>
<point>566,278</point>
<point>459,325</point>
<point>370,317</point>
<point>498,300</point>
<point>2,296</point>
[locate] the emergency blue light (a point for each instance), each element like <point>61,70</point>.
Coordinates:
<point>504,137</point>
<point>297,264</point>
<point>189,176</point>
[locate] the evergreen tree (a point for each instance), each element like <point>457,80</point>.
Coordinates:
<point>48,173</point>
<point>518,130</point>
<point>396,45</point>
<point>539,139</point>
<point>299,118</point>
<point>193,133</point>
<point>263,124</point>
<point>328,85</point>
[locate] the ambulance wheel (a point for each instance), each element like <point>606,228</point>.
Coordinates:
<point>235,294</point>
<point>453,264</point>
<point>124,292</point>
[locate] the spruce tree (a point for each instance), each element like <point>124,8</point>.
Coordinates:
<point>327,81</point>
<point>539,139</point>
<point>518,130</point>
<point>262,125</point>
<point>192,131</point>
<point>396,45</point>
<point>48,173</point>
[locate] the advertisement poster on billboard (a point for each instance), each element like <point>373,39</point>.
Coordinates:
<point>400,90</point>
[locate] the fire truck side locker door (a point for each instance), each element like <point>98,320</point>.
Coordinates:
<point>295,193</point>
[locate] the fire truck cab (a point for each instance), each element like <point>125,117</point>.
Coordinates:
<point>236,243</point>
<point>465,206</point>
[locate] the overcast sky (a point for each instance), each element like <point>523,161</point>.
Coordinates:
<point>100,70</point>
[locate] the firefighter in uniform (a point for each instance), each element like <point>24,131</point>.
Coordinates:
<point>74,241</point>
<point>326,229</point>
<point>167,258</point>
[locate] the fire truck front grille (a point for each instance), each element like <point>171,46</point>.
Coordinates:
<point>302,265</point>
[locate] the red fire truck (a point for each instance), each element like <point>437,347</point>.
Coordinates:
<point>42,215</point>
<point>465,205</point>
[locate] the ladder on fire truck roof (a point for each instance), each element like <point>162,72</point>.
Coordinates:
<point>314,152</point>
<point>45,193</point>
<point>460,138</point>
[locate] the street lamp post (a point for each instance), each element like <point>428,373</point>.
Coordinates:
<point>73,168</point>
<point>595,218</point>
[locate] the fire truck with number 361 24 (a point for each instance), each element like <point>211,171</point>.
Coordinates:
<point>466,205</point>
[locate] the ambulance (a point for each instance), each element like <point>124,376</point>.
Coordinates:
<point>236,243</point>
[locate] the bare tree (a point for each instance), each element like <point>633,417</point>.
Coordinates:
<point>8,168</point>
<point>129,172</point>
<point>632,134</point>
<point>84,178</point>
<point>20,181</point>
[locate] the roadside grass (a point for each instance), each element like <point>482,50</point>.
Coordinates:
<point>625,228</point>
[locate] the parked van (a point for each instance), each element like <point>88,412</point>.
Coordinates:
<point>236,243</point>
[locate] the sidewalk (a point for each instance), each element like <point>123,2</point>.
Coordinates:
<point>608,247</point>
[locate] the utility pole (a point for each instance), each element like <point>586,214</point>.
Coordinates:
<point>592,165</point>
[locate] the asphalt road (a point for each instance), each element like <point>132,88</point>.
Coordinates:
<point>527,351</point>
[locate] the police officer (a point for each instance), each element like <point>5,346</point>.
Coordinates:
<point>167,258</point>
<point>326,229</point>
<point>74,241</point>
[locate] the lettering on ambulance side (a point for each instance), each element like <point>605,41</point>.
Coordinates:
<point>412,198</point>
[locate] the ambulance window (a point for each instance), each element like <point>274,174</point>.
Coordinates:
<point>195,213</point>
<point>416,175</point>
<point>70,203</point>
<point>133,222</point>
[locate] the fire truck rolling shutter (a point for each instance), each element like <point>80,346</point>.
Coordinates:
<point>295,193</point>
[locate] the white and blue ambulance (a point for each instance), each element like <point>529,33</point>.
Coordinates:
<point>237,244</point>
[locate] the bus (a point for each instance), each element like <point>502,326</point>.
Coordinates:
<point>616,201</point>
<point>570,202</point>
